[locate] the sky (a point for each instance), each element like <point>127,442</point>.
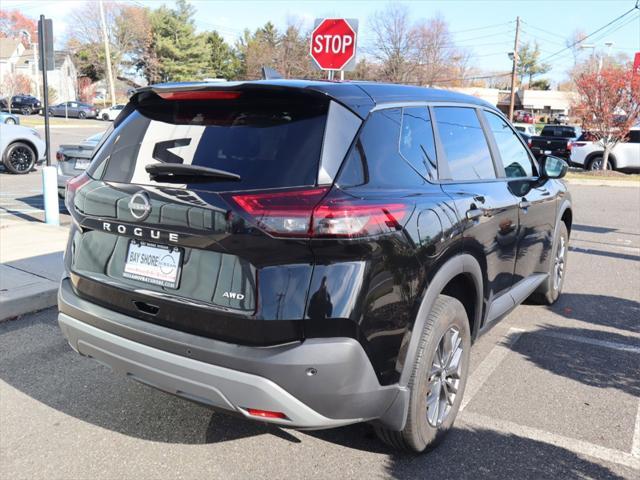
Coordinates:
<point>487,28</point>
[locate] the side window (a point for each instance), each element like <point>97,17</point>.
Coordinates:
<point>464,143</point>
<point>634,136</point>
<point>416,141</point>
<point>374,159</point>
<point>515,158</point>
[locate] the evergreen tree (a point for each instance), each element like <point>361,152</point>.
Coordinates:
<point>223,62</point>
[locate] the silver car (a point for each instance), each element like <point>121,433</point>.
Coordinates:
<point>74,159</point>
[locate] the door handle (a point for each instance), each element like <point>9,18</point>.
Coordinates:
<point>475,213</point>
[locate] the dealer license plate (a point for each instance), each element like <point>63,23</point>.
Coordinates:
<point>152,263</point>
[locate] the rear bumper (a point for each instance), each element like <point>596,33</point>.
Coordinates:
<point>343,390</point>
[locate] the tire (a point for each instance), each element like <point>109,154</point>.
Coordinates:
<point>549,292</point>
<point>425,428</point>
<point>10,121</point>
<point>82,115</point>
<point>596,163</point>
<point>105,117</point>
<point>51,113</point>
<point>19,158</point>
<point>26,111</point>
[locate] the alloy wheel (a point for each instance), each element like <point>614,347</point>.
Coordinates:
<point>444,377</point>
<point>21,158</point>
<point>558,268</point>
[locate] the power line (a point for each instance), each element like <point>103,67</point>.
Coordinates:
<point>591,34</point>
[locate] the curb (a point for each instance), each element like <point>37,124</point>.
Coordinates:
<point>602,183</point>
<point>29,299</point>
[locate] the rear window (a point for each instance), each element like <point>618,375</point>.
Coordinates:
<point>270,143</point>
<point>558,132</point>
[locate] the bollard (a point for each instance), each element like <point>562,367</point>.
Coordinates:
<point>50,194</point>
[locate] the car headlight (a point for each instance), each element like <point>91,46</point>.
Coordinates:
<point>36,133</point>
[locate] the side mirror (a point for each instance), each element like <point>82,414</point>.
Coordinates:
<point>553,167</point>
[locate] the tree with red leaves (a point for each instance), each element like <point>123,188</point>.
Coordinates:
<point>12,22</point>
<point>608,105</point>
<point>13,84</point>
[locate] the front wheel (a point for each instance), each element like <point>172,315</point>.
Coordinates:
<point>82,115</point>
<point>550,290</point>
<point>26,111</point>
<point>438,379</point>
<point>10,121</point>
<point>19,158</point>
<point>105,116</point>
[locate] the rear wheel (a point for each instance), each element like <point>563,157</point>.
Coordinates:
<point>26,110</point>
<point>19,158</point>
<point>10,121</point>
<point>51,113</point>
<point>438,379</point>
<point>596,163</point>
<point>82,115</point>
<point>105,116</point>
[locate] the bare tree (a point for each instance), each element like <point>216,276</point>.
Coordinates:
<point>13,84</point>
<point>394,42</point>
<point>574,42</point>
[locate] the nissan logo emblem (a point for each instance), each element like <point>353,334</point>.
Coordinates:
<point>140,206</point>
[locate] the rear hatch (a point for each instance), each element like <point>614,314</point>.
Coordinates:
<point>194,212</point>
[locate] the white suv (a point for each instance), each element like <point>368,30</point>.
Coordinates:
<point>624,156</point>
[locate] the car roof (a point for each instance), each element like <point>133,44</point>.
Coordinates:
<point>361,97</point>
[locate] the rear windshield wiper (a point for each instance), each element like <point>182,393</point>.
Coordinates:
<point>179,173</point>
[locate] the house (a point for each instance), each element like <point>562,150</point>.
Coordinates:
<point>16,59</point>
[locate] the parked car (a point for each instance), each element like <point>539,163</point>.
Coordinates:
<point>523,116</point>
<point>251,251</point>
<point>25,104</point>
<point>559,119</point>
<point>73,109</point>
<point>625,156</point>
<point>527,128</point>
<point>110,113</point>
<point>9,118</point>
<point>21,148</point>
<point>72,160</point>
<point>555,140</point>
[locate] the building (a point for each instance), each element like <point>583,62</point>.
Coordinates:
<point>16,59</point>
<point>542,103</point>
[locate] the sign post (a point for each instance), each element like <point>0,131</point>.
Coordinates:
<point>333,45</point>
<point>49,174</point>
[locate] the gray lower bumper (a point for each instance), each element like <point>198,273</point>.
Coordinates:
<point>210,384</point>
<point>344,390</point>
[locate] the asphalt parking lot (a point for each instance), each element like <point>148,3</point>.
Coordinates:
<point>553,393</point>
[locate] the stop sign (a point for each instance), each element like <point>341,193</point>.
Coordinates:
<point>333,43</point>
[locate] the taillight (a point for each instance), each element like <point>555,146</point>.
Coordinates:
<point>311,213</point>
<point>59,156</point>
<point>73,186</point>
<point>569,145</point>
<point>200,95</point>
<point>341,216</point>
<point>529,142</point>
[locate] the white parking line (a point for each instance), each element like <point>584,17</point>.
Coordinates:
<point>488,365</point>
<point>635,443</point>
<point>572,444</point>
<point>622,347</point>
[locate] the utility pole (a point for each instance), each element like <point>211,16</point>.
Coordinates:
<point>513,70</point>
<point>107,53</point>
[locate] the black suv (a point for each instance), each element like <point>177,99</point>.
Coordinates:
<point>25,104</point>
<point>310,254</point>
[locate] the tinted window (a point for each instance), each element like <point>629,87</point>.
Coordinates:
<point>375,159</point>
<point>634,136</point>
<point>270,144</point>
<point>416,141</point>
<point>464,143</point>
<point>515,158</point>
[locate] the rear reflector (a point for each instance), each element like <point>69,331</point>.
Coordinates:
<point>579,144</point>
<point>200,95</point>
<point>266,414</point>
<point>313,213</point>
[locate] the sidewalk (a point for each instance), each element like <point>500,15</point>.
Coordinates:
<point>30,266</point>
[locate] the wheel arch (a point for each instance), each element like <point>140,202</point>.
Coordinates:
<point>459,272</point>
<point>29,143</point>
<point>600,153</point>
